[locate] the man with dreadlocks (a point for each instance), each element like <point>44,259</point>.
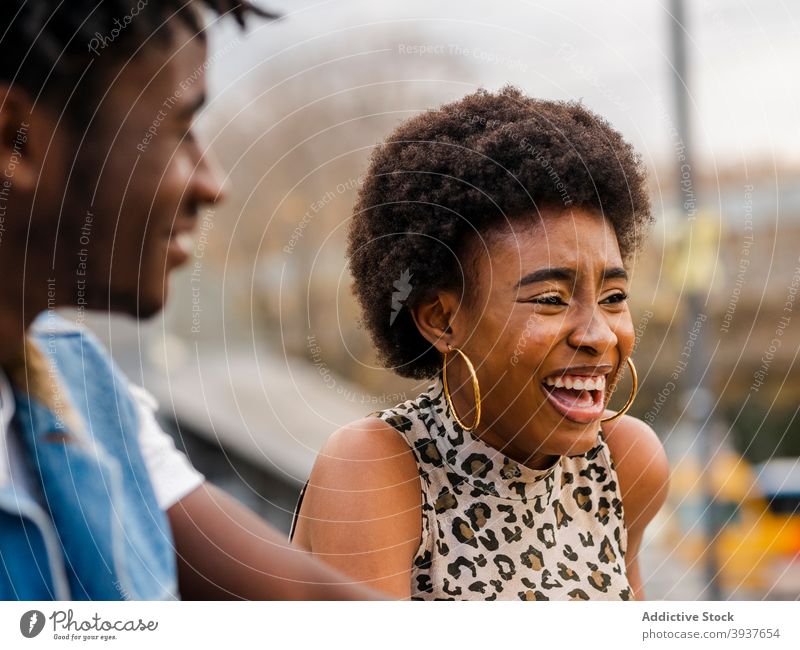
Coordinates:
<point>95,501</point>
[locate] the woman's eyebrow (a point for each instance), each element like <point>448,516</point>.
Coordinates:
<point>550,273</point>
<point>615,273</point>
<point>568,275</point>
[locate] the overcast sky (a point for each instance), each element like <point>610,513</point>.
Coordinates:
<point>614,55</point>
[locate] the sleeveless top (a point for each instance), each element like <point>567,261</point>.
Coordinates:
<point>494,529</point>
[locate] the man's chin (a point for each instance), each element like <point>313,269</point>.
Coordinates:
<point>141,307</point>
<point>147,310</point>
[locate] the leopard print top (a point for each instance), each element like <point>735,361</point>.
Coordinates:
<point>493,529</point>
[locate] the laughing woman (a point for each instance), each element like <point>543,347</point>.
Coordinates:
<point>489,249</point>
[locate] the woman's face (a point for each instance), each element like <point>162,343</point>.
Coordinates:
<point>549,314</point>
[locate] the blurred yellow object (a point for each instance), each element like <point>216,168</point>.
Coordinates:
<point>692,252</point>
<point>758,546</point>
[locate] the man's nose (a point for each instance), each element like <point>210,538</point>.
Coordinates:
<point>209,182</point>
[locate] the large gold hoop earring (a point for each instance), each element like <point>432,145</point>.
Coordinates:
<point>475,387</point>
<point>635,380</point>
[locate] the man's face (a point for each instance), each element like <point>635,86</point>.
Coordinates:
<point>139,181</point>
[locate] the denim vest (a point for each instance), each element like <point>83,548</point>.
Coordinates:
<point>95,532</point>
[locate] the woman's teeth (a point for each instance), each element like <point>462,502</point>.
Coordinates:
<point>577,382</point>
<point>578,398</point>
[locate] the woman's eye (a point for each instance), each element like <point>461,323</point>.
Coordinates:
<point>548,300</point>
<point>617,298</point>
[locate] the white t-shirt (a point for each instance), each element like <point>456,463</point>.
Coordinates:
<point>171,473</point>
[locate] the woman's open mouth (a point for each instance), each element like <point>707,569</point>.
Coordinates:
<point>579,398</point>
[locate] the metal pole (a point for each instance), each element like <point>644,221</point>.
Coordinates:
<point>698,413</point>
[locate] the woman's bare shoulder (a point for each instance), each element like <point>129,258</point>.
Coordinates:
<point>641,465</point>
<point>371,441</point>
<point>364,482</point>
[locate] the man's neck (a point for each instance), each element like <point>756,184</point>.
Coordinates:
<point>13,327</point>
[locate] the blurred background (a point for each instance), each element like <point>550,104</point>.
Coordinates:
<point>259,356</point>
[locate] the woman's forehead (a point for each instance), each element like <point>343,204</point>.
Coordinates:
<point>573,239</point>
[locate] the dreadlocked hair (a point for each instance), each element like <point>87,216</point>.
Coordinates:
<point>46,45</point>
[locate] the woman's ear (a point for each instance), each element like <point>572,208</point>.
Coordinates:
<point>434,320</point>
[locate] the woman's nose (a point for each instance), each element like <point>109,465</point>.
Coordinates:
<point>592,330</point>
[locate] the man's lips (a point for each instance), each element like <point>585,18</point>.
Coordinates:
<point>578,396</point>
<point>180,245</point>
<point>179,240</point>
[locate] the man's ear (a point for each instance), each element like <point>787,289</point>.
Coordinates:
<point>24,138</point>
<point>434,319</point>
